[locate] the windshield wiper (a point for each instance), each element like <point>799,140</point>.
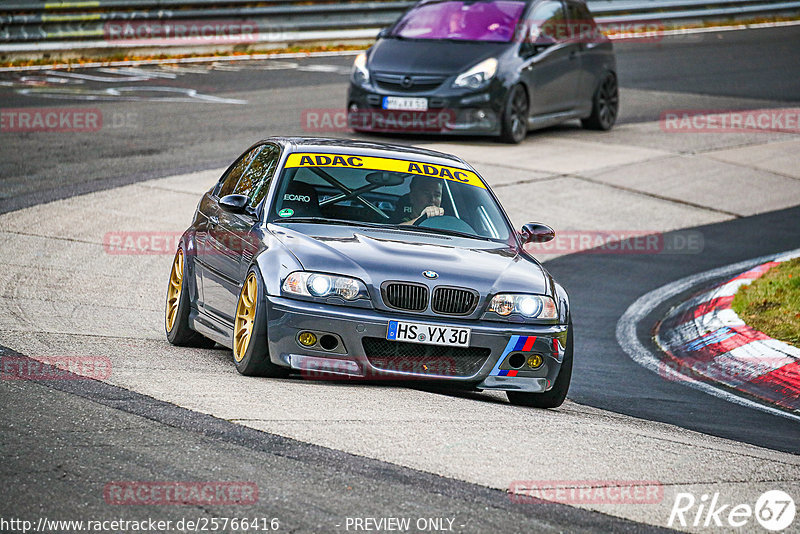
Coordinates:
<point>324,220</point>
<point>456,233</point>
<point>411,228</point>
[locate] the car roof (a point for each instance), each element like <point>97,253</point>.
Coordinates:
<point>526,2</point>
<point>368,148</point>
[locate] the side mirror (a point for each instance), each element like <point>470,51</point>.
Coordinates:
<point>235,203</point>
<point>534,41</point>
<point>536,233</point>
<point>384,32</point>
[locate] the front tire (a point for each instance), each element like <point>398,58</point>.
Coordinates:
<point>176,322</point>
<point>250,348</point>
<point>605,105</point>
<point>514,125</point>
<point>556,396</point>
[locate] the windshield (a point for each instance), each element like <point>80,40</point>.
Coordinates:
<point>494,21</point>
<point>387,192</point>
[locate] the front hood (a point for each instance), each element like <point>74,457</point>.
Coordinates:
<point>377,255</point>
<point>430,57</point>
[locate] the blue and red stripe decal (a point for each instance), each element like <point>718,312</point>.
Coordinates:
<point>515,344</point>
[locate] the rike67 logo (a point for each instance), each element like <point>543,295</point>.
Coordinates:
<point>774,510</point>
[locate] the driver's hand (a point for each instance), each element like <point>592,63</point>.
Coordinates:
<point>432,211</point>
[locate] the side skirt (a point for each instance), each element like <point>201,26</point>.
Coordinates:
<point>212,327</point>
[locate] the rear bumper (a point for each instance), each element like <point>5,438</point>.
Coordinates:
<point>497,342</point>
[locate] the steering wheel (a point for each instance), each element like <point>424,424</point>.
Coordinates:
<point>422,218</point>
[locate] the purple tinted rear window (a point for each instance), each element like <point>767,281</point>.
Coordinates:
<point>462,21</point>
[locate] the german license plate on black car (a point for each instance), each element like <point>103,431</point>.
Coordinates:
<point>430,334</point>
<point>403,103</point>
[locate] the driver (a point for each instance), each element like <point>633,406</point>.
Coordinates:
<point>424,198</point>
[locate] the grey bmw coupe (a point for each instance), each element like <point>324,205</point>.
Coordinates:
<point>354,260</point>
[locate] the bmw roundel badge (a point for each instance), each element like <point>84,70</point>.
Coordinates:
<point>432,275</point>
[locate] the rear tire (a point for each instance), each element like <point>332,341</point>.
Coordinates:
<point>514,124</point>
<point>605,105</point>
<point>250,347</point>
<point>176,322</point>
<point>555,397</point>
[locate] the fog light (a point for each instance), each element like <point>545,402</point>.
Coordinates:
<point>534,361</point>
<point>307,338</point>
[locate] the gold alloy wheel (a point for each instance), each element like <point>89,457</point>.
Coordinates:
<point>245,316</point>
<point>174,291</point>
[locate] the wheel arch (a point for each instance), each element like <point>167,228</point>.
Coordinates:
<point>275,263</point>
<point>562,298</point>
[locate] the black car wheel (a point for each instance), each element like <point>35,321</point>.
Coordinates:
<point>555,397</point>
<point>250,349</point>
<point>605,105</point>
<point>515,116</point>
<point>176,311</point>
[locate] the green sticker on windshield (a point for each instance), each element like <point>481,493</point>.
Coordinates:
<point>286,212</point>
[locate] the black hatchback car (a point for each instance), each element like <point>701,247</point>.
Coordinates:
<point>487,67</point>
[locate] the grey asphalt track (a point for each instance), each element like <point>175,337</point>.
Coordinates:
<point>80,435</point>
<point>605,377</point>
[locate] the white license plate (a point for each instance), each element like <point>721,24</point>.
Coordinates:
<point>405,103</point>
<point>430,334</point>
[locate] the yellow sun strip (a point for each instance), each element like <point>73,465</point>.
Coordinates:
<point>347,161</point>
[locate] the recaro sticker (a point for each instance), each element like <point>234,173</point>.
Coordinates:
<point>384,164</point>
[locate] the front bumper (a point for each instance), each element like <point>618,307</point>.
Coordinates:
<point>503,344</point>
<point>450,111</point>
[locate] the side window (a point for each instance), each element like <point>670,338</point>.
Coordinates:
<point>582,24</point>
<point>229,181</point>
<point>255,180</point>
<point>548,24</point>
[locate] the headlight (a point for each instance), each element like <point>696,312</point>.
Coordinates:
<point>477,76</point>
<point>307,284</point>
<point>529,306</point>
<point>360,72</point>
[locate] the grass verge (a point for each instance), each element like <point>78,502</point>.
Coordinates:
<point>771,303</point>
<point>132,56</point>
